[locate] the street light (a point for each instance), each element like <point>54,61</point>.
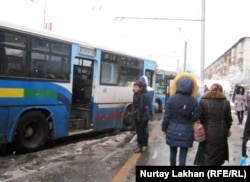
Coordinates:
<point>185,49</point>
<point>44,11</point>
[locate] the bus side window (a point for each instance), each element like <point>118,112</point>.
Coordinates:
<point>109,73</point>
<point>38,65</point>
<point>128,75</point>
<point>2,60</point>
<point>62,70</point>
<point>12,54</point>
<point>15,59</point>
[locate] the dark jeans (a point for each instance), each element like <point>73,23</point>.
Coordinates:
<point>182,156</point>
<point>240,115</point>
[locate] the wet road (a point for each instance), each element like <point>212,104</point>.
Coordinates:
<point>89,160</point>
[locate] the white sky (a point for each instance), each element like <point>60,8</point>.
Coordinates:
<point>94,21</point>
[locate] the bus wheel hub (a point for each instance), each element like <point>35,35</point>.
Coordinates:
<point>29,132</point>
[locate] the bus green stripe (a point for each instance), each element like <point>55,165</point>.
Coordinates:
<point>40,93</point>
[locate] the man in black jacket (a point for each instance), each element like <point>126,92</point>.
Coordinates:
<point>142,115</point>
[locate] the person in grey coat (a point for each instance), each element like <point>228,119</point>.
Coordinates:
<point>215,115</point>
<point>180,113</point>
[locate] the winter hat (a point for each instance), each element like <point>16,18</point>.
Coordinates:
<point>144,79</point>
<point>185,85</point>
<point>216,87</point>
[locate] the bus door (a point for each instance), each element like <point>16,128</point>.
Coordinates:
<point>81,94</point>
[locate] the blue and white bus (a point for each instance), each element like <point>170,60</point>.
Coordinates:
<point>162,86</point>
<point>51,87</point>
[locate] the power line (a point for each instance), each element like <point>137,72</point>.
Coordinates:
<point>150,18</point>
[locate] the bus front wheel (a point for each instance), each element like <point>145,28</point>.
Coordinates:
<point>128,122</point>
<point>32,132</point>
<point>158,106</point>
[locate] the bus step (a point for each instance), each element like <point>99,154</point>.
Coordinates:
<point>79,131</point>
<point>82,109</point>
<point>79,124</point>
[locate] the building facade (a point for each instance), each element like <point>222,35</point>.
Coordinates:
<point>233,65</point>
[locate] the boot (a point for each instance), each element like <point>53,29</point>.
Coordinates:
<point>138,149</point>
<point>241,119</point>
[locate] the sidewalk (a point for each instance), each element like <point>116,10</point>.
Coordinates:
<point>157,153</point>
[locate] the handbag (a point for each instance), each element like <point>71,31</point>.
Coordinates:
<point>243,161</point>
<point>199,132</point>
<point>246,106</point>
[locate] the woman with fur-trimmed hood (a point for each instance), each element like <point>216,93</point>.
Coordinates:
<point>215,115</point>
<point>180,113</point>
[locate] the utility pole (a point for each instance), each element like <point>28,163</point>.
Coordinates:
<point>202,20</point>
<point>185,56</point>
<point>185,50</point>
<point>44,14</point>
<point>202,46</point>
<point>44,11</point>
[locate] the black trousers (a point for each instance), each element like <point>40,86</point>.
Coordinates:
<point>141,128</point>
<point>240,115</point>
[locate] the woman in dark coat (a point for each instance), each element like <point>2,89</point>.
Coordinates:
<point>180,113</point>
<point>215,115</point>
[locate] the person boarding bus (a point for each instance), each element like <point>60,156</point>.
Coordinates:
<point>150,95</point>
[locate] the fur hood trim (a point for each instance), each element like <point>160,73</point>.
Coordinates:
<point>174,83</point>
<point>213,95</point>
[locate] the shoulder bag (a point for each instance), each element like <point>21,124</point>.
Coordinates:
<point>199,133</point>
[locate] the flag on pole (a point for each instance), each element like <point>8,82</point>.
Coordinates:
<point>48,26</point>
